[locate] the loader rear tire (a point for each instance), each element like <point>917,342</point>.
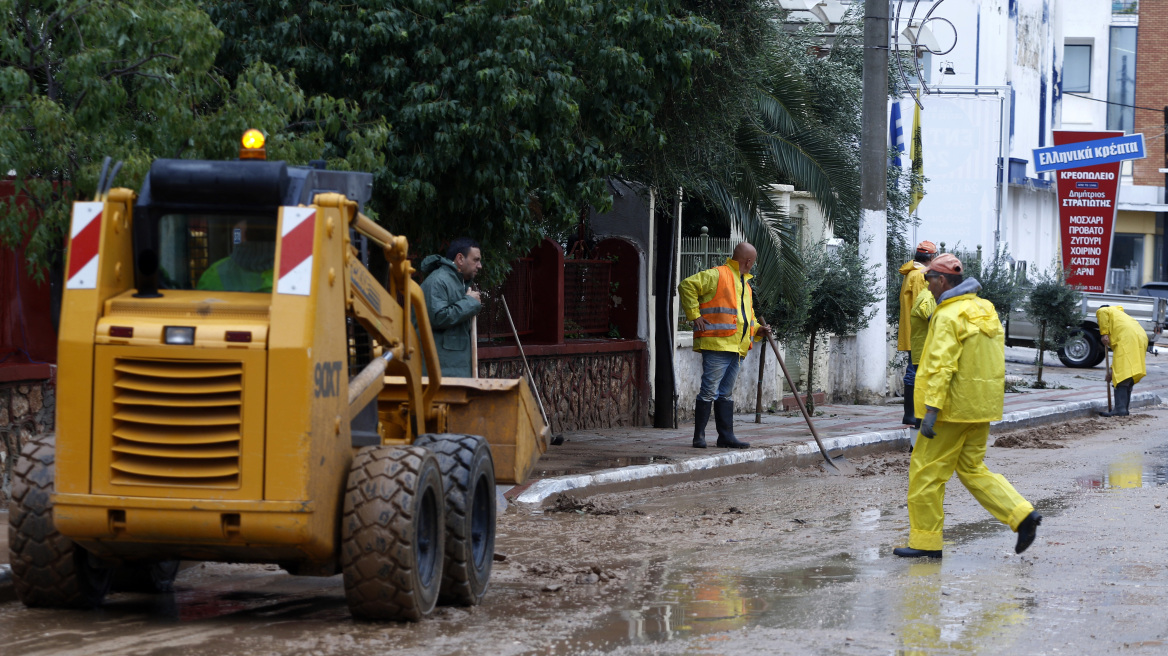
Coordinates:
<point>469,476</point>
<point>48,569</point>
<point>392,536</point>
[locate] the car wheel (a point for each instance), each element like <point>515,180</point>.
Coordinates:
<point>1081,350</point>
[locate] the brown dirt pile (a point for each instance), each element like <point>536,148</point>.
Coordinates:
<point>895,463</point>
<point>565,503</point>
<point>1050,437</point>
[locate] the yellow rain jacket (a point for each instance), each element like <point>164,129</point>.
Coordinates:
<point>914,282</point>
<point>918,321</point>
<point>1129,343</point>
<point>962,370</point>
<point>701,288</point>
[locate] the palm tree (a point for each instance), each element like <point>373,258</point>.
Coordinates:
<point>783,141</point>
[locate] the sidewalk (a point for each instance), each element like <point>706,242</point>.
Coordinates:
<point>617,459</point>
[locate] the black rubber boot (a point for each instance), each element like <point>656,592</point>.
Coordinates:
<point>1027,530</point>
<point>701,418</point>
<point>724,420</point>
<point>909,552</point>
<point>1123,393</point>
<point>909,408</point>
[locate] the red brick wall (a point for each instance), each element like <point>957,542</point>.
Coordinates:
<point>1151,89</point>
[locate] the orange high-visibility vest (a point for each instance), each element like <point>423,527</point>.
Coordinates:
<point>721,311</point>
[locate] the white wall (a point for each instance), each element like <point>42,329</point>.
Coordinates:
<point>1088,23</point>
<point>688,367</point>
<point>1032,235</point>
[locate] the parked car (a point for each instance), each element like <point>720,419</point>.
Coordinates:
<point>1154,289</point>
<point>1083,348</point>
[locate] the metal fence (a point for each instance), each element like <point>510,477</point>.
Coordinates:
<point>517,290</point>
<point>704,252</point>
<point>587,296</point>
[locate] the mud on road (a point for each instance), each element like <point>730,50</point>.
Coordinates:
<point>797,562</point>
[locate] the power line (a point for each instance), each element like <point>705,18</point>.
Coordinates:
<point>1147,109</point>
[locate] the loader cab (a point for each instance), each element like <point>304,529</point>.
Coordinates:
<point>213,225</point>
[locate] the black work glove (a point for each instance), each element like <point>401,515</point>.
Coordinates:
<point>929,420</point>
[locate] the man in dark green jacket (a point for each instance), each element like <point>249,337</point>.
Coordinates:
<point>453,304</point>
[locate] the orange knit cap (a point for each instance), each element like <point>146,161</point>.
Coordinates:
<point>945,263</point>
<point>927,247</point>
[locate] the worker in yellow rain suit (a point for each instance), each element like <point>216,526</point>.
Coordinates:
<point>918,319</point>
<point>1126,337</point>
<point>962,379</point>
<point>910,288</point>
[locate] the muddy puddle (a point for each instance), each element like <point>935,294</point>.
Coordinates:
<point>927,604</point>
<point>1129,471</point>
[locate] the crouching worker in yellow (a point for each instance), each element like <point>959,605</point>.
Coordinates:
<point>1127,339</point>
<point>959,391</point>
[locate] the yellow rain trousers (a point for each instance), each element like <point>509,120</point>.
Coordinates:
<point>962,373</point>
<point>957,447</point>
<point>1129,343</point>
<point>913,283</point>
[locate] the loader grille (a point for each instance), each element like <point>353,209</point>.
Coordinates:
<point>177,423</point>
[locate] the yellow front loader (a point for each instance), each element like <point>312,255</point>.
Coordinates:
<point>235,385</point>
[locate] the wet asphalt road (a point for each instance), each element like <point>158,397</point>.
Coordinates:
<point>795,563</point>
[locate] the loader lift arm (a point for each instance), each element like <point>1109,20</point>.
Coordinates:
<point>387,315</point>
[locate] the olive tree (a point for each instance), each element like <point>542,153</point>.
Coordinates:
<point>1056,308</point>
<point>840,293</point>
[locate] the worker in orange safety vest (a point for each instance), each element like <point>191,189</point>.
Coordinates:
<point>720,304</point>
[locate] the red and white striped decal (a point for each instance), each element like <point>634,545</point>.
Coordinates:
<point>84,239</point>
<point>297,227</point>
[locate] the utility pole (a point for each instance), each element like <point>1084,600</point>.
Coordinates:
<point>872,342</point>
<point>1163,215</point>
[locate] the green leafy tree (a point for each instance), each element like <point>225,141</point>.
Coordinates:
<point>1056,308</point>
<point>839,297</point>
<point>835,85</point>
<point>80,80</point>
<point>802,129</point>
<point>507,116</point>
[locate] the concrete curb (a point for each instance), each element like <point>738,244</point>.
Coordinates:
<point>772,459</point>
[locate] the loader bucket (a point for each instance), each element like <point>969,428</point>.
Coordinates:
<point>500,409</point>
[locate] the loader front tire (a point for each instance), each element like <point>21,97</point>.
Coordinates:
<point>392,537</point>
<point>468,473</point>
<point>48,569</point>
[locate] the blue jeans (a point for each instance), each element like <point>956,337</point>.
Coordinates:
<point>910,375</point>
<point>719,371</point>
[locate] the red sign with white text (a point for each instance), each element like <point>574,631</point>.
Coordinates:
<point>1086,198</point>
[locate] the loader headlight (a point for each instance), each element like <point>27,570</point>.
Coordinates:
<point>179,335</point>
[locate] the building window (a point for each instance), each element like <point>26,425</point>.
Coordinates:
<point>1121,79</point>
<point>1127,263</point>
<point>1077,68</point>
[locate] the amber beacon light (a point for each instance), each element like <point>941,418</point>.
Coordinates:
<point>251,146</point>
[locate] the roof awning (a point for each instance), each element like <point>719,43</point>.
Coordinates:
<point>1141,207</point>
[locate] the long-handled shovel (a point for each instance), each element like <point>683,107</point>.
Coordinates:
<point>836,465</point>
<point>557,438</point>
<point>1107,357</point>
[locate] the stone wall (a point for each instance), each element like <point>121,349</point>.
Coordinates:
<point>26,409</point>
<point>582,391</point>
